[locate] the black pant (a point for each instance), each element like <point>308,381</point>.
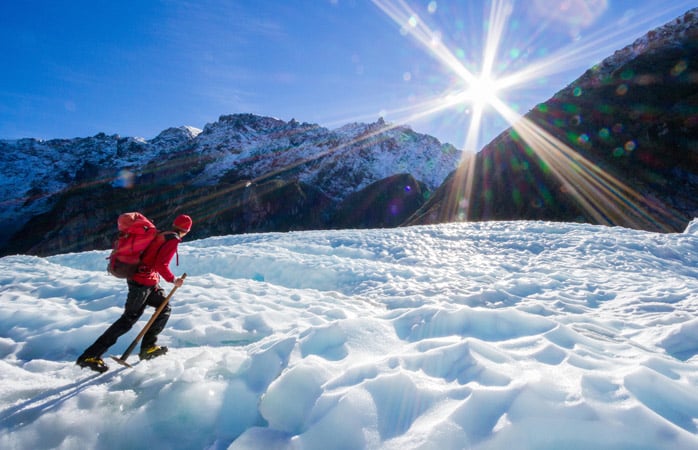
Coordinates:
<point>138,298</point>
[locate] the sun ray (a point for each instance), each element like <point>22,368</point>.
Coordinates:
<point>604,198</point>
<point>499,16</point>
<point>406,17</point>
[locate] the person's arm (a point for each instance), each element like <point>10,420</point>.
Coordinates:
<point>162,265</point>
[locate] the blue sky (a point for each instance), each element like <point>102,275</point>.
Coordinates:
<point>135,68</point>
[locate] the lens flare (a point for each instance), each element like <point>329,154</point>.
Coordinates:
<point>600,195</point>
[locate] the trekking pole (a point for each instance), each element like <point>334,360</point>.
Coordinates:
<point>145,329</point>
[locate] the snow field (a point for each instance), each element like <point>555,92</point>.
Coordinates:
<point>490,335</point>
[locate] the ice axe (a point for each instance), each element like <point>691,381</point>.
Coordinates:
<point>145,329</point>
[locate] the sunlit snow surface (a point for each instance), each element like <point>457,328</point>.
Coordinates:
<point>523,335</point>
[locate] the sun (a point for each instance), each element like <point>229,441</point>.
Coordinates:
<point>479,93</point>
<point>483,91</point>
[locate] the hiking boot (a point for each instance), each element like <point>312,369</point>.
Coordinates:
<point>152,352</point>
<point>92,362</point>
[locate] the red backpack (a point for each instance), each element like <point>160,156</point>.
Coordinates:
<point>136,232</point>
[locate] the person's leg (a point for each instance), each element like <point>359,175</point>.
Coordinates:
<point>135,305</point>
<point>155,299</point>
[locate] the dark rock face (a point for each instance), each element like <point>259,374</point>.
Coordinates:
<point>619,146</point>
<point>86,218</point>
<point>384,204</point>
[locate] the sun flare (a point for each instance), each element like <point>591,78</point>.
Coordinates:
<point>485,80</point>
<point>482,91</point>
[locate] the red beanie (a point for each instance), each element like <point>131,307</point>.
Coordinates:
<point>183,222</point>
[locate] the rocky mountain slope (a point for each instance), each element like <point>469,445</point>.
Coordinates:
<point>618,146</point>
<point>243,173</point>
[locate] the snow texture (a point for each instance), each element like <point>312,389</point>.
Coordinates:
<point>526,335</point>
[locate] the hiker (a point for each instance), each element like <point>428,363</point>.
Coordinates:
<point>143,290</point>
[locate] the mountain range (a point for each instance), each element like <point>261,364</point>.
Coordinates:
<point>617,146</point>
<point>243,173</point>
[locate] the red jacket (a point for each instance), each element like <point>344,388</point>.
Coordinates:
<point>156,260</point>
